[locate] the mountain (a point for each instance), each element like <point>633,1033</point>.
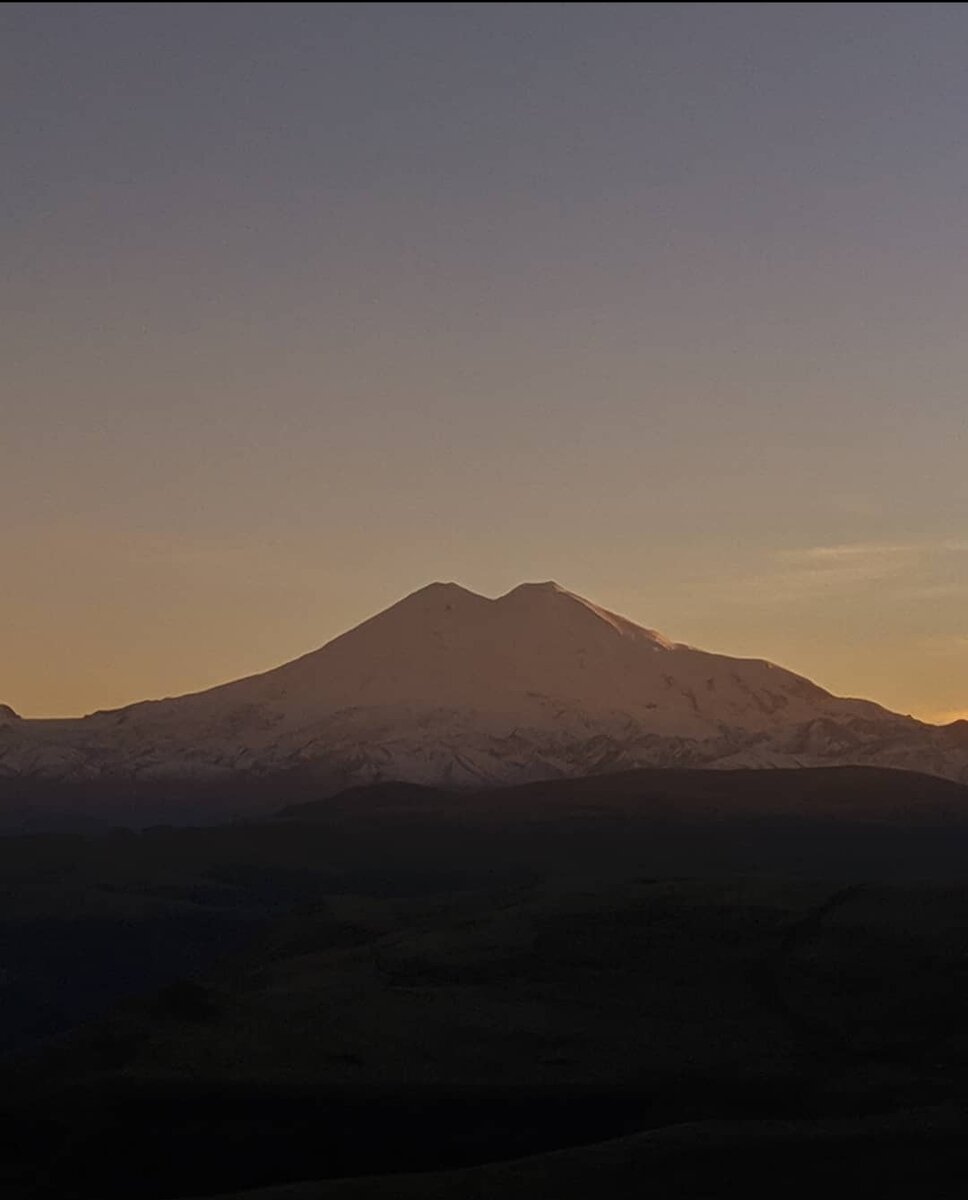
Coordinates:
<point>447,687</point>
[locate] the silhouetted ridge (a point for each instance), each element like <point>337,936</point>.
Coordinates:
<point>392,794</point>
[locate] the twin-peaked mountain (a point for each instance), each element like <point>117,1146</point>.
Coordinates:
<point>450,687</point>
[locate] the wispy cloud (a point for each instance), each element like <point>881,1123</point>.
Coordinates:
<point>851,552</point>
<point>916,570</point>
<point>854,551</point>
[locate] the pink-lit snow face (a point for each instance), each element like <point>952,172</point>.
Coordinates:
<point>450,687</point>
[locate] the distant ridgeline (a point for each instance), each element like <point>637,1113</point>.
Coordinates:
<point>451,689</point>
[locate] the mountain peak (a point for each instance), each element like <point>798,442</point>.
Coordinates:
<point>448,687</point>
<point>550,601</point>
<point>436,595</point>
<point>441,587</point>
<point>548,586</point>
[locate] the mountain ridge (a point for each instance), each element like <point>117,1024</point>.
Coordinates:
<point>448,687</point>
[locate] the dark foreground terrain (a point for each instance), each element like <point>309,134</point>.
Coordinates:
<point>679,984</point>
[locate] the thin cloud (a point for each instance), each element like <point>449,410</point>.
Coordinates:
<point>853,551</point>
<point>911,569</point>
<point>850,552</point>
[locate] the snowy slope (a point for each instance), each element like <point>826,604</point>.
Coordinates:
<point>449,686</point>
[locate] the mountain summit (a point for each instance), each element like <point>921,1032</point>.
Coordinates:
<point>539,657</point>
<point>447,686</point>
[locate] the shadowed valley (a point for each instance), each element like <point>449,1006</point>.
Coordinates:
<point>767,970</point>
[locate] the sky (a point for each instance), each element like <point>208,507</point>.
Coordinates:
<point>306,306</point>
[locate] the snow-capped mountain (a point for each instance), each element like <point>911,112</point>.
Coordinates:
<point>450,687</point>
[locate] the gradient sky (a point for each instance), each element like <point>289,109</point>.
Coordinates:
<point>304,306</point>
